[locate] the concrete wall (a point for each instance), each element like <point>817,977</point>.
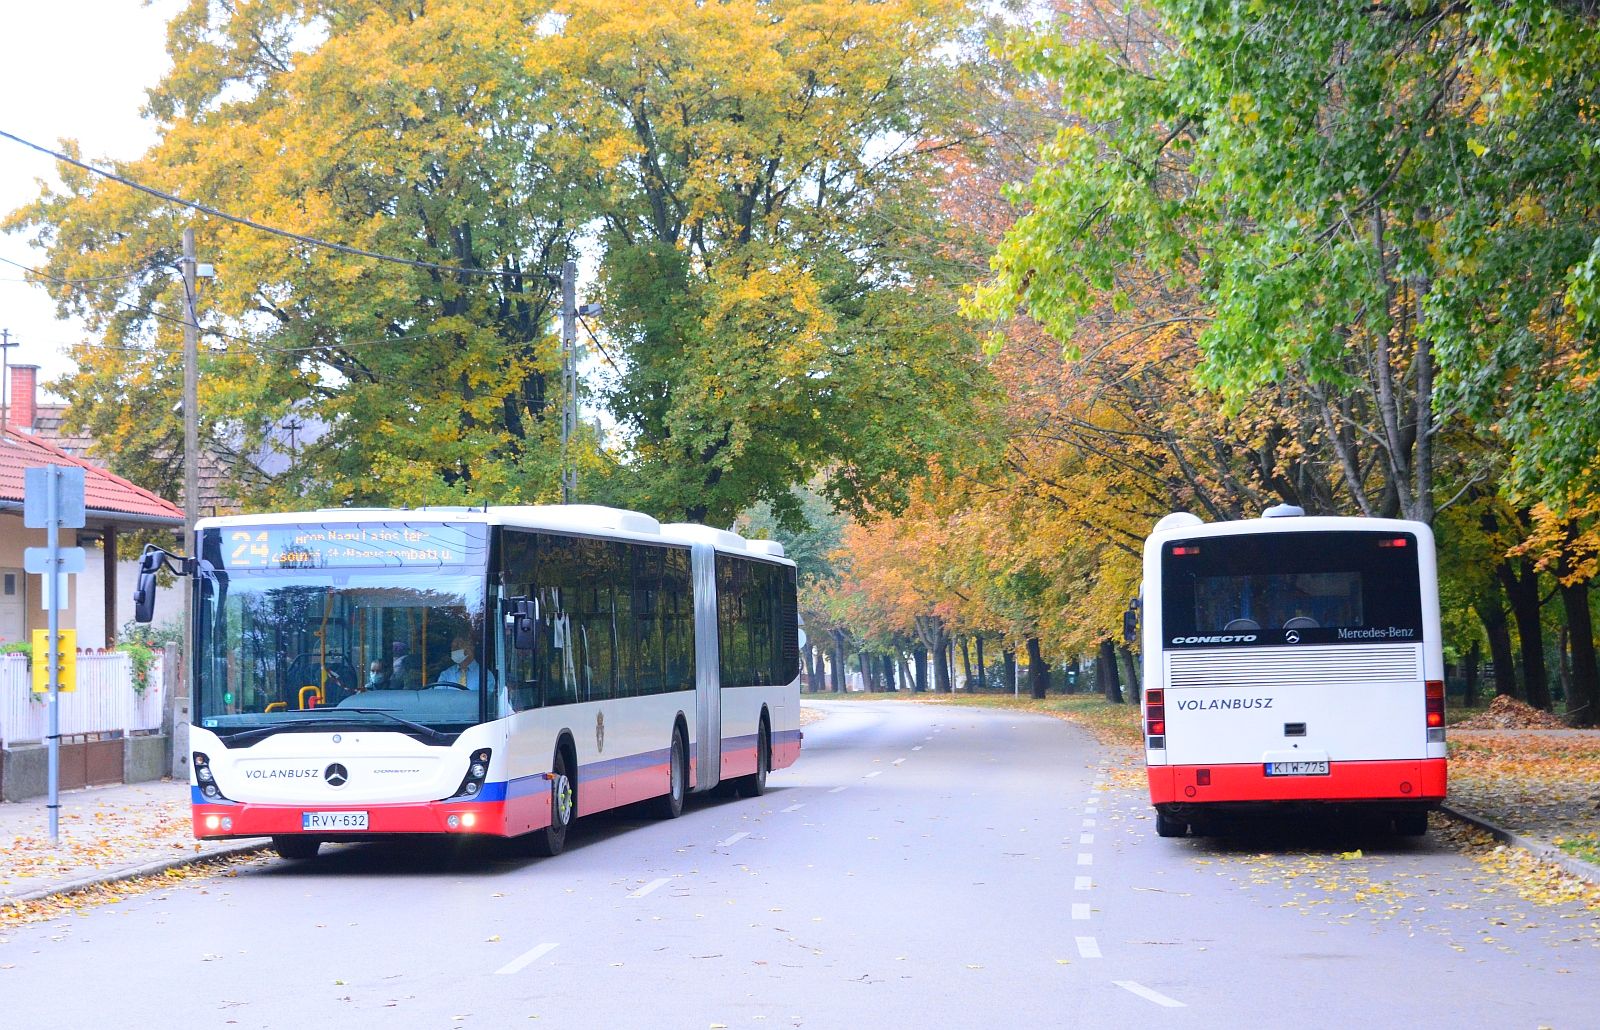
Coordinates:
<point>25,769</point>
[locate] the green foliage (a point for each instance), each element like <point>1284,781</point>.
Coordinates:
<point>808,527</point>
<point>143,658</point>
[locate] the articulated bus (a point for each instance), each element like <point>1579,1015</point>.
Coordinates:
<point>498,671</point>
<point>1292,662</point>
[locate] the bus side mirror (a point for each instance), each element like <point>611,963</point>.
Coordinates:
<point>524,634</point>
<point>144,598</point>
<point>1130,626</point>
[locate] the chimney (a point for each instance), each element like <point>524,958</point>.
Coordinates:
<point>24,397</point>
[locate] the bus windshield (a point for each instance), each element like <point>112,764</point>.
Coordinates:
<point>296,635</point>
<point>1291,588</point>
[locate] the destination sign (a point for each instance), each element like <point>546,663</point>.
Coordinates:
<point>351,545</point>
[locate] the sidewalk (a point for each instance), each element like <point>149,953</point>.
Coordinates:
<point>107,833</point>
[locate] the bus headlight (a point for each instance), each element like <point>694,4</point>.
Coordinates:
<point>206,778</point>
<point>477,772</point>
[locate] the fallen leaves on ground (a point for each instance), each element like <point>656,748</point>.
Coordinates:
<point>1507,713</point>
<point>1539,783</point>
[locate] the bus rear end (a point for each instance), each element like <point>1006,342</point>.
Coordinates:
<point>1293,663</point>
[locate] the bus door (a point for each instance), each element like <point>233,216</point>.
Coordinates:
<point>707,676</point>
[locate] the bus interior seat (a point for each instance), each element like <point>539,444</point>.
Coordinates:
<point>1241,626</point>
<point>1302,622</point>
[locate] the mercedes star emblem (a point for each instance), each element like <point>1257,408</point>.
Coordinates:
<point>336,775</point>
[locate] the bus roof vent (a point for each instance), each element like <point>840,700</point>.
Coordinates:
<point>585,516</point>
<point>1177,520</point>
<point>705,534</point>
<point>1283,511</point>
<point>769,547</point>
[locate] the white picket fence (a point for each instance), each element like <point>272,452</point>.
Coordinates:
<point>104,702</point>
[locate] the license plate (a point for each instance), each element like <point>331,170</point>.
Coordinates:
<point>1297,768</point>
<point>333,820</point>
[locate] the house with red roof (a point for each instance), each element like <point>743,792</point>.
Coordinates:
<point>100,596</point>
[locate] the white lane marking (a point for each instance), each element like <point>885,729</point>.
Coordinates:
<point>1085,838</point>
<point>1080,910</point>
<point>1082,883</point>
<point>1088,822</point>
<point>525,959</point>
<point>795,807</point>
<point>870,775</point>
<point>731,841</point>
<point>837,790</point>
<point>1088,947</point>
<point>899,761</point>
<point>917,748</point>
<point>1086,859</point>
<point>647,888</point>
<point>1148,995</point>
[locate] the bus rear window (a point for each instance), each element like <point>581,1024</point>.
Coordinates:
<point>1291,588</point>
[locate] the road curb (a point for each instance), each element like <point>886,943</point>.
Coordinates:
<point>1547,852</point>
<point>154,868</point>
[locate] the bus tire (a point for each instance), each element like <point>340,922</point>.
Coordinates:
<point>670,804</point>
<point>550,840</point>
<point>296,849</point>
<point>755,785</point>
<point>1167,826</point>
<point>1411,824</point>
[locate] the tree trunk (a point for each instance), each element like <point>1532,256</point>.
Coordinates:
<point>838,662</point>
<point>1469,697</point>
<point>1038,671</point>
<point>1106,664</point>
<point>1493,616</point>
<point>919,683</point>
<point>1130,672</point>
<point>966,662</point>
<point>983,674</point>
<point>1583,700</point>
<point>906,679</point>
<point>941,662</point>
<point>1008,658</point>
<point>1522,587</point>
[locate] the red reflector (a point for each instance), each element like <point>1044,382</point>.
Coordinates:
<point>1153,696</point>
<point>1203,777</point>
<point>1398,541</point>
<point>1434,690</point>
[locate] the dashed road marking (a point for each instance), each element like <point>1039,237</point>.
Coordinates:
<point>1088,822</point>
<point>1082,883</point>
<point>1148,995</point>
<point>838,789</point>
<point>795,807</point>
<point>1085,838</point>
<point>1085,859</point>
<point>652,885</point>
<point>917,748</point>
<point>731,841</point>
<point>525,959</point>
<point>870,775</point>
<point>1088,947</point>
<point>1080,910</point>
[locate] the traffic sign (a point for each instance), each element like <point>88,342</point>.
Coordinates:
<point>69,496</point>
<point>66,664</point>
<point>37,559</point>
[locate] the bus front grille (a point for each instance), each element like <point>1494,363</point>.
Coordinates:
<point>1278,666</point>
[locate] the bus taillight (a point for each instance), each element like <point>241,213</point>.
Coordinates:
<point>1155,718</point>
<point>1434,692</point>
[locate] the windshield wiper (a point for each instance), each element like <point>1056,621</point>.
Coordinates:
<point>427,732</point>
<point>262,732</point>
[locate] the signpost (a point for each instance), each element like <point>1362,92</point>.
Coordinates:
<point>52,500</point>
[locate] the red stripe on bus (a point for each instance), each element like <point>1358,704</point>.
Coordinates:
<point>1346,781</point>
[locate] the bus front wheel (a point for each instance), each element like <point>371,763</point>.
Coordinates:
<point>1411,824</point>
<point>1167,826</point>
<point>563,808</point>
<point>296,848</point>
<point>755,785</point>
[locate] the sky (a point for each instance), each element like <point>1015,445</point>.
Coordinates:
<point>69,69</point>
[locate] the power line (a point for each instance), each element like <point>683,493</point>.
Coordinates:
<point>313,241</point>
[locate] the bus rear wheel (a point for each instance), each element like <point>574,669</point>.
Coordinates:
<point>670,804</point>
<point>1167,826</point>
<point>563,808</point>
<point>298,849</point>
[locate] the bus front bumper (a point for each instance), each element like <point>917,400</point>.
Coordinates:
<point>487,818</point>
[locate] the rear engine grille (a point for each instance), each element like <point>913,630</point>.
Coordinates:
<point>1280,666</point>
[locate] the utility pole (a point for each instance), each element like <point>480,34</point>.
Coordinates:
<point>6,343</point>
<point>569,379</point>
<point>191,441</point>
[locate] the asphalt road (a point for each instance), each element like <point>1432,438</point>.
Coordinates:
<point>920,866</point>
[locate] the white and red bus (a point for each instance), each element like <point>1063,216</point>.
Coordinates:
<point>1292,661</point>
<point>498,671</point>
